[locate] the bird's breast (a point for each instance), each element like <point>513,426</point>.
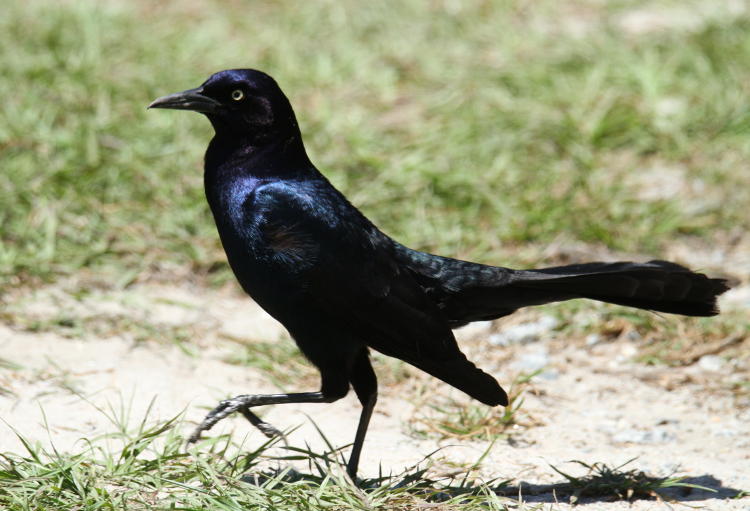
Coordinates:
<point>231,197</point>
<point>251,258</point>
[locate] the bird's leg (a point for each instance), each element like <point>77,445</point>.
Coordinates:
<point>244,402</point>
<point>365,384</point>
<point>264,427</point>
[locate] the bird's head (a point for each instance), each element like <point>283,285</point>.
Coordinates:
<point>239,102</point>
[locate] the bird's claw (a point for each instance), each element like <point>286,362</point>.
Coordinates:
<point>226,408</point>
<point>268,430</point>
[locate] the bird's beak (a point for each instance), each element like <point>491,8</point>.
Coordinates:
<point>191,99</point>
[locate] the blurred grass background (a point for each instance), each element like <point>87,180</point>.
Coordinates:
<point>458,127</point>
<point>486,130</point>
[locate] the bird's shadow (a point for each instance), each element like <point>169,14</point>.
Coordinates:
<point>597,489</point>
<point>602,484</point>
<point>605,483</point>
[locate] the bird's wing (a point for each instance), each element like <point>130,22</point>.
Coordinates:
<point>347,267</point>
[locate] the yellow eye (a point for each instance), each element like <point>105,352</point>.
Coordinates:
<point>237,95</point>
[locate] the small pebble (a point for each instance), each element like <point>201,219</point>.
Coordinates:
<point>532,361</point>
<point>549,374</point>
<point>712,363</point>
<point>726,433</point>
<point>633,336</point>
<point>593,339</point>
<point>634,436</point>
<point>524,333</point>
<point>628,350</point>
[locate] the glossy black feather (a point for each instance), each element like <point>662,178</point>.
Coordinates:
<point>340,286</point>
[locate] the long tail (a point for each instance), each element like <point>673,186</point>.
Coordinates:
<point>656,285</point>
<point>468,292</point>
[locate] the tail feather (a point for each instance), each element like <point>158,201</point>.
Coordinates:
<point>656,285</point>
<point>466,377</point>
<point>467,292</point>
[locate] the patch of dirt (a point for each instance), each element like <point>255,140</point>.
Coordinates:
<point>689,16</point>
<point>582,17</point>
<point>591,402</point>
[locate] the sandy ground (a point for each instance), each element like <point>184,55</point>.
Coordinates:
<point>591,403</point>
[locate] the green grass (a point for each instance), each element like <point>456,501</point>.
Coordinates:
<point>616,483</point>
<point>462,420</point>
<point>148,467</point>
<point>455,129</point>
<point>280,361</point>
<point>465,128</point>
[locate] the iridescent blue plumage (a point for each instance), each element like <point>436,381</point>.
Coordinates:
<point>341,286</point>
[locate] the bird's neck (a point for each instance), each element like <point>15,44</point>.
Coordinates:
<point>238,155</point>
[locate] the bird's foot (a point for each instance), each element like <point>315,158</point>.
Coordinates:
<point>264,427</point>
<point>228,407</point>
<point>268,429</point>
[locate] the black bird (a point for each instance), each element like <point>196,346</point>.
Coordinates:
<point>341,286</point>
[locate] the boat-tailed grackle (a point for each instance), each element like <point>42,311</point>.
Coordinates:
<point>341,286</point>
